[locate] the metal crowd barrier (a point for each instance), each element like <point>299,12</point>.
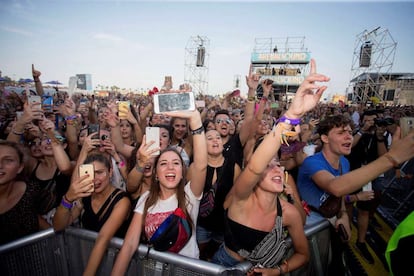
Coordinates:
<point>49,253</point>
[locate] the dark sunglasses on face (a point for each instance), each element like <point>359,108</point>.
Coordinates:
<point>34,143</point>
<point>227,121</point>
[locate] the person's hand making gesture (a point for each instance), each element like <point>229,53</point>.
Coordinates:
<point>308,94</point>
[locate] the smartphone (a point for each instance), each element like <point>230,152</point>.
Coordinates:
<point>123,108</point>
<point>47,104</point>
<point>93,128</point>
<point>406,125</point>
<point>153,134</point>
<point>342,233</point>
<point>33,99</point>
<point>367,187</point>
<point>174,102</point>
<point>87,169</point>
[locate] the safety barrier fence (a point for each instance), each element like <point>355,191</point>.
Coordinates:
<point>63,254</point>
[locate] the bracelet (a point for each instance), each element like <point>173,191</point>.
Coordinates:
<point>356,196</point>
<point>288,121</point>
<point>391,159</point>
<point>65,204</point>
<point>251,99</point>
<point>66,199</point>
<point>197,131</point>
<point>264,98</point>
<point>347,199</point>
<point>71,117</point>
<point>139,169</point>
<point>17,133</point>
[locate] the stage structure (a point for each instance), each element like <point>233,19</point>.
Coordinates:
<point>283,60</point>
<point>372,62</point>
<point>196,62</point>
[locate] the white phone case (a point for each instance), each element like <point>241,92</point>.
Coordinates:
<point>153,134</point>
<point>164,102</point>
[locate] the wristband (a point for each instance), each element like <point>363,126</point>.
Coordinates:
<point>17,133</point>
<point>347,199</point>
<point>288,121</point>
<point>197,131</point>
<point>71,117</point>
<point>264,98</point>
<point>65,204</point>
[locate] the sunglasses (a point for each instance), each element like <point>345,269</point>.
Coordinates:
<point>227,121</point>
<point>34,143</point>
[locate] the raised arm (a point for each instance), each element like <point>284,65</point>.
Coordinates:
<point>38,84</point>
<point>306,98</point>
<point>199,165</point>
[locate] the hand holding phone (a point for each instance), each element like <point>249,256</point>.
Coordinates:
<point>93,128</point>
<point>406,125</point>
<point>153,134</point>
<point>165,102</point>
<point>35,101</point>
<point>88,169</point>
<point>123,109</point>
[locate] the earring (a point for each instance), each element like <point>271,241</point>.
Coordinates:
<point>156,178</point>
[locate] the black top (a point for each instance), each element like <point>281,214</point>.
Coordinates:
<point>94,222</point>
<point>234,149</point>
<point>238,236</point>
<point>51,190</point>
<point>21,220</point>
<point>225,175</point>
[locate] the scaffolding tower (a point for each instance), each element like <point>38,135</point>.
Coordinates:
<point>283,60</point>
<point>196,63</point>
<point>372,62</point>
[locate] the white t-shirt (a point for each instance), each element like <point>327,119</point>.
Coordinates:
<point>157,213</point>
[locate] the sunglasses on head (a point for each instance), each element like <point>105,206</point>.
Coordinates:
<point>227,121</point>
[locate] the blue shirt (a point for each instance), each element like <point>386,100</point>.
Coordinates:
<point>308,189</point>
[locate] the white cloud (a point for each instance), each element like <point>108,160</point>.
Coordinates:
<point>16,31</point>
<point>109,37</point>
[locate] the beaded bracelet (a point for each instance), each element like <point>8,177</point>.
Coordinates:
<point>71,117</point>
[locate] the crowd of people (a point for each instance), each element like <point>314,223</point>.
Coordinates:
<point>237,175</point>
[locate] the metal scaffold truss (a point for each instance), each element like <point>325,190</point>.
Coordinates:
<point>372,63</point>
<point>196,63</point>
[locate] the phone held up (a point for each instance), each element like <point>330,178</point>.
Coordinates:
<point>87,169</point>
<point>153,134</point>
<point>36,101</point>
<point>93,128</point>
<point>123,108</point>
<point>406,125</point>
<point>164,102</point>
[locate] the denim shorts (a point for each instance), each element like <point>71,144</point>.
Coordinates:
<point>204,235</point>
<point>222,257</point>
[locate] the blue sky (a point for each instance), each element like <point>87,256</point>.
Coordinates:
<point>134,44</point>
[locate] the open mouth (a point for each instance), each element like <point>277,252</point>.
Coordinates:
<point>170,176</point>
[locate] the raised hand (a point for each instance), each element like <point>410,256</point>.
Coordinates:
<point>308,94</point>
<point>252,80</point>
